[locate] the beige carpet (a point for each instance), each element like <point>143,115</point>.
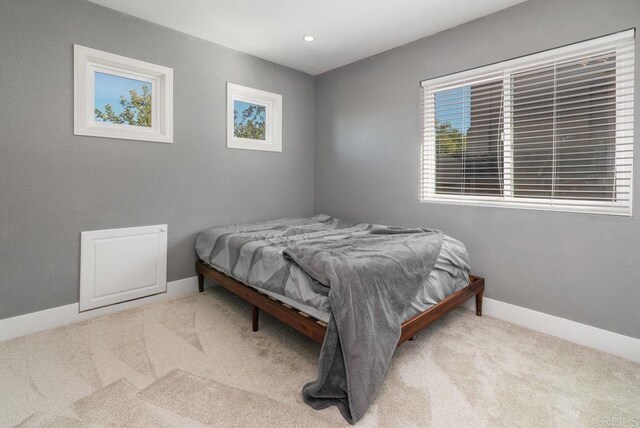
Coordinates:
<point>195,362</point>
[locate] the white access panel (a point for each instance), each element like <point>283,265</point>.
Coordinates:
<point>117,265</point>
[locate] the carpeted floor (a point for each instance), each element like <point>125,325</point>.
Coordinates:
<point>195,362</point>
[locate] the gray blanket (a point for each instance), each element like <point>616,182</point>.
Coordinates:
<point>370,281</point>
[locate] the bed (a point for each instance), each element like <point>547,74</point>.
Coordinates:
<point>255,261</point>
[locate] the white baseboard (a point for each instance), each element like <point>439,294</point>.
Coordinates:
<point>582,334</point>
<point>10,328</point>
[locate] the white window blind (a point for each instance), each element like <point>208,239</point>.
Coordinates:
<point>553,131</point>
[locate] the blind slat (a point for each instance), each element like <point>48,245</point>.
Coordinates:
<point>625,73</point>
<point>625,80</point>
<point>596,108</point>
<point>534,90</point>
<point>567,101</point>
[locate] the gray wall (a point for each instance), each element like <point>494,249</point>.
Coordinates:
<point>54,185</point>
<point>578,266</point>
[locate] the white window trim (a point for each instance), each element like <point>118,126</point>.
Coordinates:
<point>624,136</point>
<point>273,117</point>
<point>87,62</point>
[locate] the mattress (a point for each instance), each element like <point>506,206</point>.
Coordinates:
<point>252,254</point>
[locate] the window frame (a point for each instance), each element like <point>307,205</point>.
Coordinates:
<point>88,62</point>
<point>504,71</point>
<point>273,118</point>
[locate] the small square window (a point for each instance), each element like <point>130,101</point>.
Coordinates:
<point>119,97</point>
<point>254,119</point>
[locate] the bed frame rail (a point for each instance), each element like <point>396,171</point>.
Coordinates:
<point>316,329</point>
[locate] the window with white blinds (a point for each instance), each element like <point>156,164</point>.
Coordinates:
<point>553,131</point>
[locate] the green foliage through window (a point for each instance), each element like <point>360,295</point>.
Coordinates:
<point>450,140</point>
<point>136,110</point>
<point>249,121</point>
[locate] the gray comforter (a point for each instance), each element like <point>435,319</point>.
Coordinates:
<point>252,254</point>
<point>370,281</point>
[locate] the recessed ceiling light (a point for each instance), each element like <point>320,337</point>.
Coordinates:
<point>308,38</point>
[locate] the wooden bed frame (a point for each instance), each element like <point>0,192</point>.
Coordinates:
<point>316,329</point>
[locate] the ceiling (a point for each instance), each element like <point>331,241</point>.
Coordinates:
<point>345,30</point>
